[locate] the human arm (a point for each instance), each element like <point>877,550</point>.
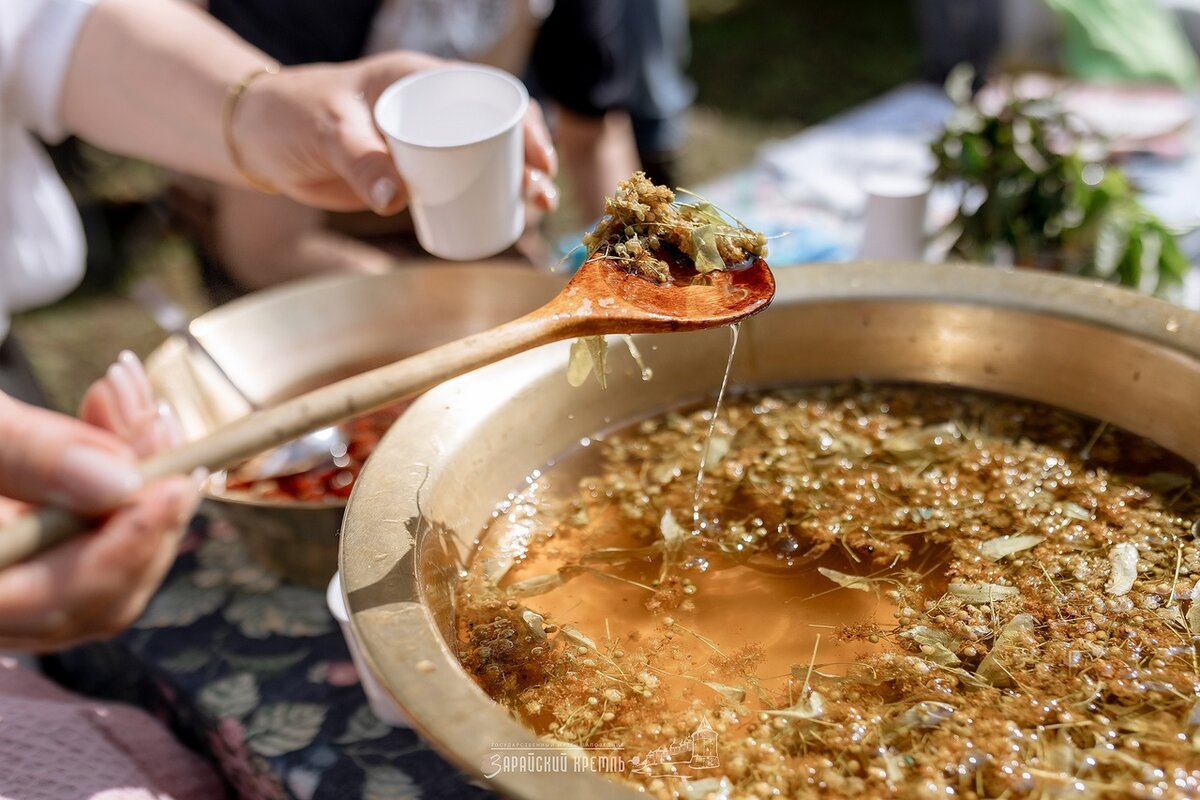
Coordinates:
<point>149,78</point>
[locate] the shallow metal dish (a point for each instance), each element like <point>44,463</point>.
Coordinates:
<point>277,343</point>
<point>431,486</point>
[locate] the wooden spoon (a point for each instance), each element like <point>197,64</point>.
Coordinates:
<point>602,298</point>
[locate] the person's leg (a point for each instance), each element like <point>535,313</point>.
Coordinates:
<point>261,240</point>
<point>581,61</point>
<point>658,146</point>
<point>596,153</point>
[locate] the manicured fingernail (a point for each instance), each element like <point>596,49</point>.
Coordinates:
<point>125,392</point>
<point>199,476</point>
<point>137,372</point>
<point>170,429</point>
<point>383,191</point>
<point>93,479</point>
<point>542,185</point>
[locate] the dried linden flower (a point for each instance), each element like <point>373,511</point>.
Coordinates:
<point>643,219</point>
<point>642,223</point>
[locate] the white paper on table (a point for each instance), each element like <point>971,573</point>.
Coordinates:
<point>826,165</point>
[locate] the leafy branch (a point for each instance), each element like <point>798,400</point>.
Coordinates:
<point>1035,187</point>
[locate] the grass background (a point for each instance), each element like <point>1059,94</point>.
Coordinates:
<point>764,69</point>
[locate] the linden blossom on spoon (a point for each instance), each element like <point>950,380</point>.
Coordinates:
<point>602,298</point>
<point>648,232</point>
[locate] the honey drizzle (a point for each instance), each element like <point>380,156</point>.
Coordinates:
<point>697,525</point>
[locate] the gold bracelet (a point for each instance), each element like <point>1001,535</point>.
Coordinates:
<point>228,109</point>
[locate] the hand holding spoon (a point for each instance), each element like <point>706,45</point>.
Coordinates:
<point>602,298</point>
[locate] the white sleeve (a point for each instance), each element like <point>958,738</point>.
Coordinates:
<point>37,38</point>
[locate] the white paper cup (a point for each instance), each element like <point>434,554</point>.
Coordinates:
<point>381,703</point>
<point>457,139</point>
<point>894,222</point>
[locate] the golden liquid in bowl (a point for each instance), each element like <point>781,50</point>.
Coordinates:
<point>884,591</point>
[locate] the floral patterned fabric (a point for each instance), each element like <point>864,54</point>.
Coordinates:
<point>253,672</point>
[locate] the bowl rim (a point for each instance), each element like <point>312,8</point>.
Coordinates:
<point>251,303</point>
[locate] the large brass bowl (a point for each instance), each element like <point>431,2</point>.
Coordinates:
<point>428,492</point>
<point>277,343</point>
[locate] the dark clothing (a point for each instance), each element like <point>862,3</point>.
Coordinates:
<point>593,56</point>
<point>582,57</point>
<point>300,31</point>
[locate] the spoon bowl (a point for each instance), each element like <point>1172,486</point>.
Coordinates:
<point>609,299</point>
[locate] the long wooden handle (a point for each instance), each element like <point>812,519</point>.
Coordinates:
<point>329,405</point>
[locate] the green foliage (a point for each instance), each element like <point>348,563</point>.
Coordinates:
<point>804,61</point>
<point>1033,189</point>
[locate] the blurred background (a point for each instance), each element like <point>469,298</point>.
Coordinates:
<point>763,69</point>
<point>765,72</point>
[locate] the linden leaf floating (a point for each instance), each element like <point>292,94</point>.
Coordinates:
<point>848,581</point>
<point>1124,561</point>
<point>1075,511</point>
<point>734,694</point>
<point>620,555</point>
<point>893,764</point>
<point>810,706</point>
<point>922,445</point>
<point>1003,546</point>
<point>982,592</point>
<point>926,714</point>
<point>578,637</point>
<point>1184,594</point>
<point>1193,618</point>
<point>923,634</point>
<point>936,645</point>
<point>807,673</point>
<point>587,358</point>
<point>851,444</point>
<point>535,622</point>
<point>531,587</point>
<point>1010,636</point>
<point>859,672</point>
